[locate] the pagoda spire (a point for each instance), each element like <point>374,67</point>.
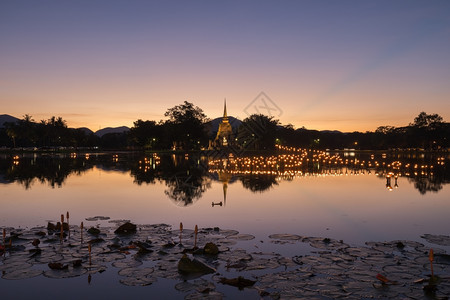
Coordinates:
<point>224,132</point>
<point>225,116</point>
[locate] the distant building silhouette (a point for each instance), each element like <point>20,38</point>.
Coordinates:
<point>225,136</point>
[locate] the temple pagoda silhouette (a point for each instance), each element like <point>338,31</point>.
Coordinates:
<point>225,136</point>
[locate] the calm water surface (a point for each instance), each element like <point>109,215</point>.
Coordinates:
<point>341,201</point>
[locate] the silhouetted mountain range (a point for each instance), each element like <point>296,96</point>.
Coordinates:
<point>86,130</point>
<point>7,118</point>
<point>332,131</point>
<point>107,130</point>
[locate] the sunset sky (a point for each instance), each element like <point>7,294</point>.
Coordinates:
<point>344,65</point>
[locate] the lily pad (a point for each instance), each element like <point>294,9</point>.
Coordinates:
<point>66,273</point>
<point>443,240</point>
<point>127,264</point>
<point>406,270</point>
<point>136,272</point>
<point>94,231</point>
<point>118,221</point>
<point>225,242</point>
<point>262,264</point>
<point>140,281</point>
<point>241,237</point>
<point>239,282</point>
<point>15,265</point>
<point>325,243</point>
<point>184,286</point>
<point>109,256</point>
<point>328,269</point>
<point>285,236</point>
<point>442,259</point>
<point>94,268</point>
<point>22,274</point>
<point>360,252</point>
<point>223,232</point>
<point>163,270</point>
<point>235,256</point>
<point>97,218</point>
<point>212,295</point>
<point>184,233</point>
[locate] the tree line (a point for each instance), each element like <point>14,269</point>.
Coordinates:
<point>427,131</point>
<point>46,133</point>
<point>188,128</point>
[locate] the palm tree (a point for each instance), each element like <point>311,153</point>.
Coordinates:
<point>12,133</point>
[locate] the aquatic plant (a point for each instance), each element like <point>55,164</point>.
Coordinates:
<point>431,258</point>
<point>196,233</point>
<point>181,230</point>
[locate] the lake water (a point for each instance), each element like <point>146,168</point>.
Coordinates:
<point>354,197</point>
<point>340,202</point>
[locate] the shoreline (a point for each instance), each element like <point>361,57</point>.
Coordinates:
<point>68,150</point>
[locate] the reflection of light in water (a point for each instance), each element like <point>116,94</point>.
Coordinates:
<point>303,162</point>
<point>150,162</point>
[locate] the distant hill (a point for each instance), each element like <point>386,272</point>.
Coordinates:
<point>7,118</point>
<point>86,130</point>
<point>107,130</point>
<point>214,124</point>
<point>331,131</point>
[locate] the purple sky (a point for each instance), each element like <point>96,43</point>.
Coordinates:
<point>345,65</point>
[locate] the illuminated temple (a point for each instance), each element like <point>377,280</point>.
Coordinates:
<point>224,137</point>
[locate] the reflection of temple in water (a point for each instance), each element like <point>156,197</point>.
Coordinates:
<point>225,178</point>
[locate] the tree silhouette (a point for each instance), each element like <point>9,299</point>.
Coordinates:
<point>423,120</point>
<point>258,183</point>
<point>185,126</point>
<point>147,134</point>
<point>258,132</point>
<point>11,131</point>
